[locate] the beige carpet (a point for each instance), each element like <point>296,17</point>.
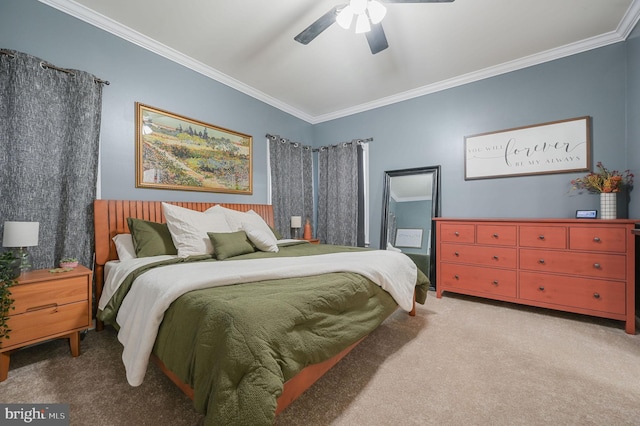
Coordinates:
<point>460,361</point>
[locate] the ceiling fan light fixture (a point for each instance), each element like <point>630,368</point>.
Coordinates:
<point>362,24</point>
<point>377,11</point>
<point>345,17</point>
<point>359,6</point>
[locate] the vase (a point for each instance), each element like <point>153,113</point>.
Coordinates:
<point>608,204</point>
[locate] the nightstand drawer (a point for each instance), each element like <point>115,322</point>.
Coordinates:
<point>60,291</point>
<point>47,321</point>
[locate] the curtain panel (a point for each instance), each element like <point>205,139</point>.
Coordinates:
<point>291,166</point>
<point>49,141</point>
<point>339,194</point>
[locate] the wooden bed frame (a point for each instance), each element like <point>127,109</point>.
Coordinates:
<point>110,219</point>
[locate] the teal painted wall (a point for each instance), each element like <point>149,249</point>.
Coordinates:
<point>603,84</point>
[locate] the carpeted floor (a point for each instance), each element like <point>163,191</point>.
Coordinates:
<point>460,361</point>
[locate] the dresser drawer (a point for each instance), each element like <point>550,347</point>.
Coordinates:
<point>543,236</point>
<point>595,295</point>
<point>598,239</point>
<point>457,232</point>
<point>46,321</point>
<point>502,235</point>
<point>501,257</point>
<point>486,280</point>
<point>31,296</point>
<point>594,265</point>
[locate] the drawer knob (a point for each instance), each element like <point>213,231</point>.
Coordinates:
<point>596,295</point>
<point>495,282</point>
<point>541,237</point>
<point>456,276</point>
<point>596,265</point>
<point>457,254</point>
<point>541,288</point>
<point>456,233</point>
<point>541,261</point>
<point>495,235</point>
<point>495,257</point>
<point>596,239</point>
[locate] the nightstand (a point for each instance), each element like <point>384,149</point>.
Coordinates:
<point>312,241</point>
<point>47,305</point>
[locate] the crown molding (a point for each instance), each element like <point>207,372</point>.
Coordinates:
<point>87,15</point>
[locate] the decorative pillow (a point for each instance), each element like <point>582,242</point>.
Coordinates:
<point>229,244</point>
<point>234,217</point>
<point>150,238</point>
<point>189,228</point>
<point>261,236</point>
<point>124,246</point>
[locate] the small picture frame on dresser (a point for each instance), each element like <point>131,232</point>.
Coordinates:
<point>586,214</point>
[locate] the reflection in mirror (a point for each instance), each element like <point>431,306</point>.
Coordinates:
<point>409,202</point>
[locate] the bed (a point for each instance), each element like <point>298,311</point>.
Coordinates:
<point>216,343</point>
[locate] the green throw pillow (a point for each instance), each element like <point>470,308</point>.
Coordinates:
<point>150,238</point>
<point>229,244</point>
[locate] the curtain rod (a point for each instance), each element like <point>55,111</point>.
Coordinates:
<point>53,67</point>
<point>283,140</point>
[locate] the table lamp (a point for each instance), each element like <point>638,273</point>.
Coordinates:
<point>20,235</point>
<point>296,223</point>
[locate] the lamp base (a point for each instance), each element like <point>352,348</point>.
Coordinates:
<point>24,259</point>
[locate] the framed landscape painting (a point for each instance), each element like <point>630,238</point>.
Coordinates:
<point>175,152</point>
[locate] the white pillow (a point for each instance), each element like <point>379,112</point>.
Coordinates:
<point>189,228</point>
<point>124,246</point>
<point>234,217</point>
<point>262,238</point>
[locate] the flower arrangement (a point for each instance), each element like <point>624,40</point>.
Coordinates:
<point>604,180</point>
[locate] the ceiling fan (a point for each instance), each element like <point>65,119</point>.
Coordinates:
<point>368,15</point>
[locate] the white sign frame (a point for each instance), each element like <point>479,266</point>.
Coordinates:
<point>556,147</point>
<point>409,237</point>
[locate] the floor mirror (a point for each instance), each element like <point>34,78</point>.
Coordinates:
<point>411,199</point>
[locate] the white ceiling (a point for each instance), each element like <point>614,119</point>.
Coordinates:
<point>249,45</point>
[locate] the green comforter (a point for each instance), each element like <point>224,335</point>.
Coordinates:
<point>237,345</point>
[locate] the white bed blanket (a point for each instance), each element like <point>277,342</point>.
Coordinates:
<point>151,294</point>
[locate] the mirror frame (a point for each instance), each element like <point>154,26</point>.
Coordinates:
<point>435,209</point>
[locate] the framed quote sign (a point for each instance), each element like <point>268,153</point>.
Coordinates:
<point>556,147</point>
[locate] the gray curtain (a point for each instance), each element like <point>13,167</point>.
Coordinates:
<point>338,194</point>
<point>49,135</point>
<point>291,183</point>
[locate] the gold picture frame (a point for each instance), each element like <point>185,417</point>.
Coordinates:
<point>180,153</point>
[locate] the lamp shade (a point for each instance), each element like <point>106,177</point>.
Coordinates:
<point>20,234</point>
<point>296,221</point>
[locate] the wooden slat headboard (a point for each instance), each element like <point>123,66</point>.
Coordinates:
<point>110,219</point>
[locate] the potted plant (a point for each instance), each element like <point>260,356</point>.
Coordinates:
<point>68,262</point>
<point>607,183</point>
<point>8,277</point>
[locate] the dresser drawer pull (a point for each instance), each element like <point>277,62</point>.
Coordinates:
<point>37,308</point>
<point>541,261</point>
<point>596,265</point>
<point>541,237</point>
<point>541,288</point>
<point>596,295</point>
<point>457,254</point>
<point>456,276</point>
<point>495,235</point>
<point>495,282</point>
<point>457,234</point>
<point>596,239</point>
<point>495,258</point>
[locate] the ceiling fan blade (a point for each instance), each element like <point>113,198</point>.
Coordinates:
<point>418,1</point>
<point>321,24</point>
<point>376,38</point>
